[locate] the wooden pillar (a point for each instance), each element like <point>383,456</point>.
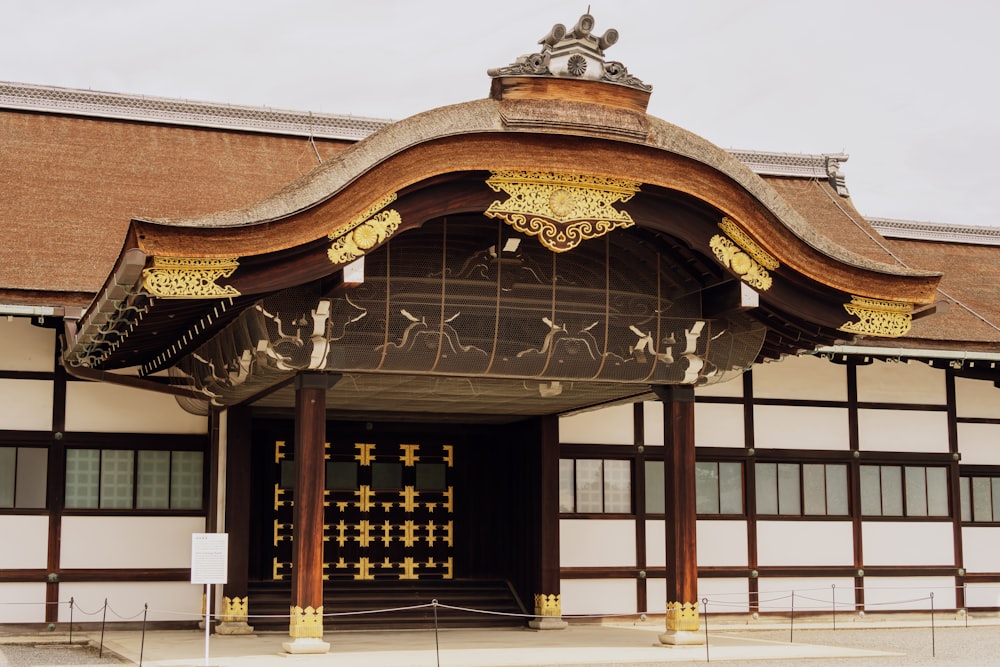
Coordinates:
<point>234,615</point>
<point>548,602</point>
<point>680,507</point>
<point>306,622</point>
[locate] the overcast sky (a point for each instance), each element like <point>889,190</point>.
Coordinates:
<point>908,88</point>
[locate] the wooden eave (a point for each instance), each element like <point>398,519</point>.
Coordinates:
<point>436,164</point>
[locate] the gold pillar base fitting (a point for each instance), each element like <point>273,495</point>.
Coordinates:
<point>548,613</point>
<point>305,627</point>
<point>233,620</point>
<point>683,623</point>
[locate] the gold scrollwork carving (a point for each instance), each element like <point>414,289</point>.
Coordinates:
<point>190,277</point>
<point>889,319</point>
<point>364,232</point>
<point>749,246</point>
<point>560,209</point>
<point>682,616</point>
<point>306,622</point>
<point>742,264</point>
<point>548,605</point>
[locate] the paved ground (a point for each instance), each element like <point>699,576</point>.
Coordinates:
<point>879,645</point>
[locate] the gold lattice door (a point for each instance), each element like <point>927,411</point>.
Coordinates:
<point>389,510</point>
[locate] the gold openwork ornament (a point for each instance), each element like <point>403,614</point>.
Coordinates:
<point>234,610</point>
<point>306,622</point>
<point>749,246</point>
<point>682,616</point>
<point>735,258</point>
<point>190,277</point>
<point>560,209</point>
<point>548,605</point>
<point>888,319</point>
<point>364,232</point>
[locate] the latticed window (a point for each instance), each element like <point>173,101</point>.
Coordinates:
<point>913,491</point>
<point>126,479</point>
<point>801,489</point>
<point>719,487</point>
<point>980,499</point>
<point>595,486</point>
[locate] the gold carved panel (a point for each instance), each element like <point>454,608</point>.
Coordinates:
<point>561,209</point>
<point>888,319</point>
<point>364,232</point>
<point>190,277</point>
<point>737,251</point>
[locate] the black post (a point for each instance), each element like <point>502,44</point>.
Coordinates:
<point>142,642</point>
<point>71,620</point>
<point>104,621</point>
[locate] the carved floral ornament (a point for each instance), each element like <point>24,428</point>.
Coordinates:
<point>888,319</point>
<point>737,251</point>
<point>365,231</point>
<point>560,209</point>
<point>190,277</point>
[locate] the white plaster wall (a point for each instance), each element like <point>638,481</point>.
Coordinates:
<point>793,427</point>
<point>801,377</point>
<point>730,388</point>
<point>902,431</point>
<point>979,444</point>
<point>25,542</point>
<point>725,596</point>
<point>976,398</point>
<point>25,405</point>
<point>911,382</point>
<point>596,543</point>
<point>26,347</point>
<point>805,543</point>
<point>25,603</point>
<point>652,422</point>
<point>912,543</point>
<point>722,543</point>
<point>895,593</point>
<point>607,426</point>
<point>718,425</point>
<point>811,594</point>
<point>981,549</point>
<point>598,596</point>
<point>128,541</point>
<point>656,596</point>
<point>980,595</point>
<point>93,406</point>
<point>167,600</point>
<point>656,544</point>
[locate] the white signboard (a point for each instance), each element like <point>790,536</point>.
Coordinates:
<point>209,558</point>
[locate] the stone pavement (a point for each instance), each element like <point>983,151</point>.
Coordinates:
<point>622,645</point>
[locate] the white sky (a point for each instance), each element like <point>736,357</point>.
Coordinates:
<point>907,87</point>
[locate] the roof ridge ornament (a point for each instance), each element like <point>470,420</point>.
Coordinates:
<point>577,54</point>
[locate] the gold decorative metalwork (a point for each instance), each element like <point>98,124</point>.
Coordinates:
<point>306,623</point>
<point>190,277</point>
<point>548,605</point>
<point>365,568</point>
<point>409,568</point>
<point>743,240</point>
<point>561,209</point>
<point>889,319</point>
<point>742,264</point>
<point>279,450</point>
<point>364,232</point>
<point>682,616</point>
<point>279,565</point>
<point>235,610</point>
<point>409,456</point>
<point>365,454</point>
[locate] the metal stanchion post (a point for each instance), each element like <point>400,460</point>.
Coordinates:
<point>791,621</point>
<point>104,621</point>
<point>142,642</point>
<point>933,647</point>
<point>704,602</point>
<point>437,645</point>
<point>71,620</point>
<point>833,596</point>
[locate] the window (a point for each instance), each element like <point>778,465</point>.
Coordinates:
<point>595,486</point>
<point>801,489</point>
<point>719,487</point>
<point>23,475</point>
<point>891,490</point>
<point>980,498</point>
<point>125,479</point>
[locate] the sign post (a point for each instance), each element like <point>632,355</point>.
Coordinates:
<point>209,565</point>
